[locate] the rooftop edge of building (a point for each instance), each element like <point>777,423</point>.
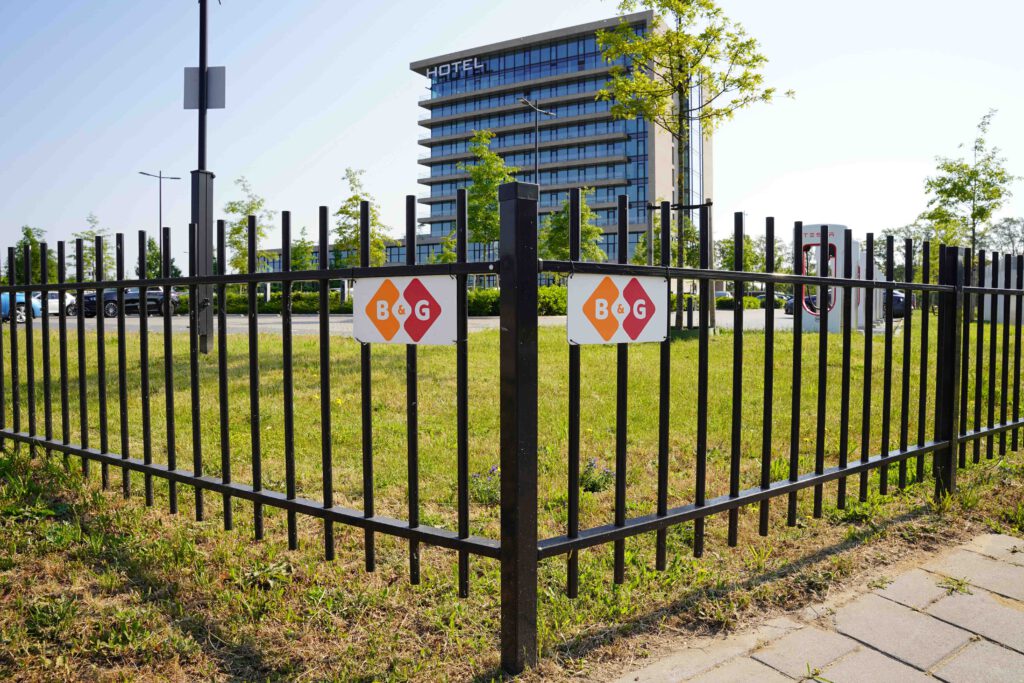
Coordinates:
<point>421,65</point>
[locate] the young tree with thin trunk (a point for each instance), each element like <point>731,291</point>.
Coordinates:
<point>554,235</point>
<point>346,228</point>
<point>237,238</point>
<point>486,172</point>
<point>696,67</point>
<point>89,259</point>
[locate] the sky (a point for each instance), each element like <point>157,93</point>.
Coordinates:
<point>92,94</point>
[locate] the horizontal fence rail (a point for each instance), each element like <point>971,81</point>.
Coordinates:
<point>958,398</point>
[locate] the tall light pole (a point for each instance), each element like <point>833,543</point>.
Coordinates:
<point>160,222</point>
<point>537,111</point>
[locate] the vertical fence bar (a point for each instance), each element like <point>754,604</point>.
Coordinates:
<point>844,401</point>
<point>769,372</point>
<point>255,430</point>
<point>823,305</point>
<point>194,311</point>
<point>83,404</point>
<point>326,459</point>
<point>908,309</point>
<point>664,388</point>
<point>99,256</point>
<point>3,373</point>
<point>147,443</point>
<point>44,281</point>
<point>700,484</point>
<point>572,568</point>
<point>621,406</point>
<point>222,376</point>
<point>411,406</point>
<point>30,350</point>
<point>951,272</point>
<point>62,352</point>
<point>518,351</point>
<point>12,311</point>
<point>462,384</point>
<point>979,356</point>
<point>736,445</point>
<point>168,311</point>
<point>798,330</point>
<point>922,394</point>
<point>366,386</point>
<point>1005,365</point>
<point>890,276</point>
<point>1019,311</point>
<point>965,355</point>
<point>288,379</point>
<point>993,311</point>
<point>122,365</point>
<point>869,332</point>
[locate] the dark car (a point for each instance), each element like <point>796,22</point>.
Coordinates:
<point>154,300</point>
<point>811,301</point>
<point>899,304</point>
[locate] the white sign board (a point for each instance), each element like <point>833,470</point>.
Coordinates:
<point>405,310</point>
<point>615,309</point>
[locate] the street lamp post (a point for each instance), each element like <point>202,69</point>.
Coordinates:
<point>537,111</point>
<point>160,184</point>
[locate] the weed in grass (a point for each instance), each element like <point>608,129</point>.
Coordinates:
<point>941,505</point>
<point>1015,517</point>
<point>815,675</point>
<point>485,487</point>
<point>954,585</point>
<point>758,556</point>
<point>881,583</point>
<point>969,497</point>
<point>262,575</point>
<point>52,617</point>
<point>596,478</point>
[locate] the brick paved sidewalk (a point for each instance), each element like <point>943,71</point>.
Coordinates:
<point>959,617</point>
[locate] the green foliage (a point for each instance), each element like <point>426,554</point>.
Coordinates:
<point>486,172</point>
<point>485,487</point>
<point>482,301</point>
<point>302,252</point>
<point>237,238</point>
<point>346,253</point>
<point>554,235</point>
<point>1006,236</point>
<point>691,244</point>
<point>552,300</point>
<point>446,254</point>
<point>153,266</point>
<point>753,256</point>
<point>728,303</point>
<point>302,302</point>
<point>966,193</point>
<point>31,237</point>
<point>88,237</point>
<point>698,47</point>
<point>595,477</point>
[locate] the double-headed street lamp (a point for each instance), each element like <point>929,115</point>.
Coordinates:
<point>537,111</point>
<point>160,224</point>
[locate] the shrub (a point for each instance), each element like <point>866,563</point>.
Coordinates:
<point>725,303</point>
<point>552,300</point>
<point>751,302</point>
<point>482,301</point>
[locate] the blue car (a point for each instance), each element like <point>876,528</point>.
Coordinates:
<point>20,308</point>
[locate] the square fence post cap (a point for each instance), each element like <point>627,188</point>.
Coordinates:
<point>512,191</point>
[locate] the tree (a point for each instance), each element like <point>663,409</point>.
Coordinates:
<point>753,254</point>
<point>691,244</point>
<point>486,173</point>
<point>154,268</point>
<point>1006,236</point>
<point>88,237</point>
<point>237,236</point>
<point>970,192</point>
<point>346,252</point>
<point>302,252</point>
<point>698,68</point>
<point>31,237</point>
<point>446,254</point>
<point>554,235</point>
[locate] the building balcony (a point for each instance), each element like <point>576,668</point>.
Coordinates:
<point>517,86</point>
<point>573,163</point>
<point>427,160</point>
<point>545,122</point>
<point>429,121</point>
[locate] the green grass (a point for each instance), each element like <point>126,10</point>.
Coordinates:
<point>99,586</point>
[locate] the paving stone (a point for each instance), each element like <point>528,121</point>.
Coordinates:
<point>998,577</point>
<point>911,637</point>
<point>809,647</point>
<point>915,588</point>
<point>868,665</point>
<point>1000,547</point>
<point>691,661</point>
<point>743,669</point>
<point>993,616</point>
<point>983,662</point>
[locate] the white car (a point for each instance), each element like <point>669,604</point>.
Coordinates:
<point>55,298</point>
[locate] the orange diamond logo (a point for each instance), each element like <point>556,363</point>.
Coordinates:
<point>598,308</point>
<point>378,310</point>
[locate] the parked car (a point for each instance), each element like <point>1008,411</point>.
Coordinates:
<point>58,300</point>
<point>811,301</point>
<point>899,304</point>
<point>21,309</point>
<point>154,302</point>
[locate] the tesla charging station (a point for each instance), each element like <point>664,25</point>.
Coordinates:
<point>831,238</point>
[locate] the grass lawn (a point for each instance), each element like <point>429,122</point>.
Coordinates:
<point>93,586</point>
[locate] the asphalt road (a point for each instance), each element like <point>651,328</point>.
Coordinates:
<point>341,324</point>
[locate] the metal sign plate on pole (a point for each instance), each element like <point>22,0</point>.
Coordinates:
<point>216,87</point>
<point>405,310</point>
<point>615,309</point>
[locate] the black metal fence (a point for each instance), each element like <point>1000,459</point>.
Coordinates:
<point>943,381</point>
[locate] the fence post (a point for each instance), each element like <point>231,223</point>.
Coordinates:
<point>947,381</point>
<point>518,350</point>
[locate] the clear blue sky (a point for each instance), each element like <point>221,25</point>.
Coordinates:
<point>92,95</point>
